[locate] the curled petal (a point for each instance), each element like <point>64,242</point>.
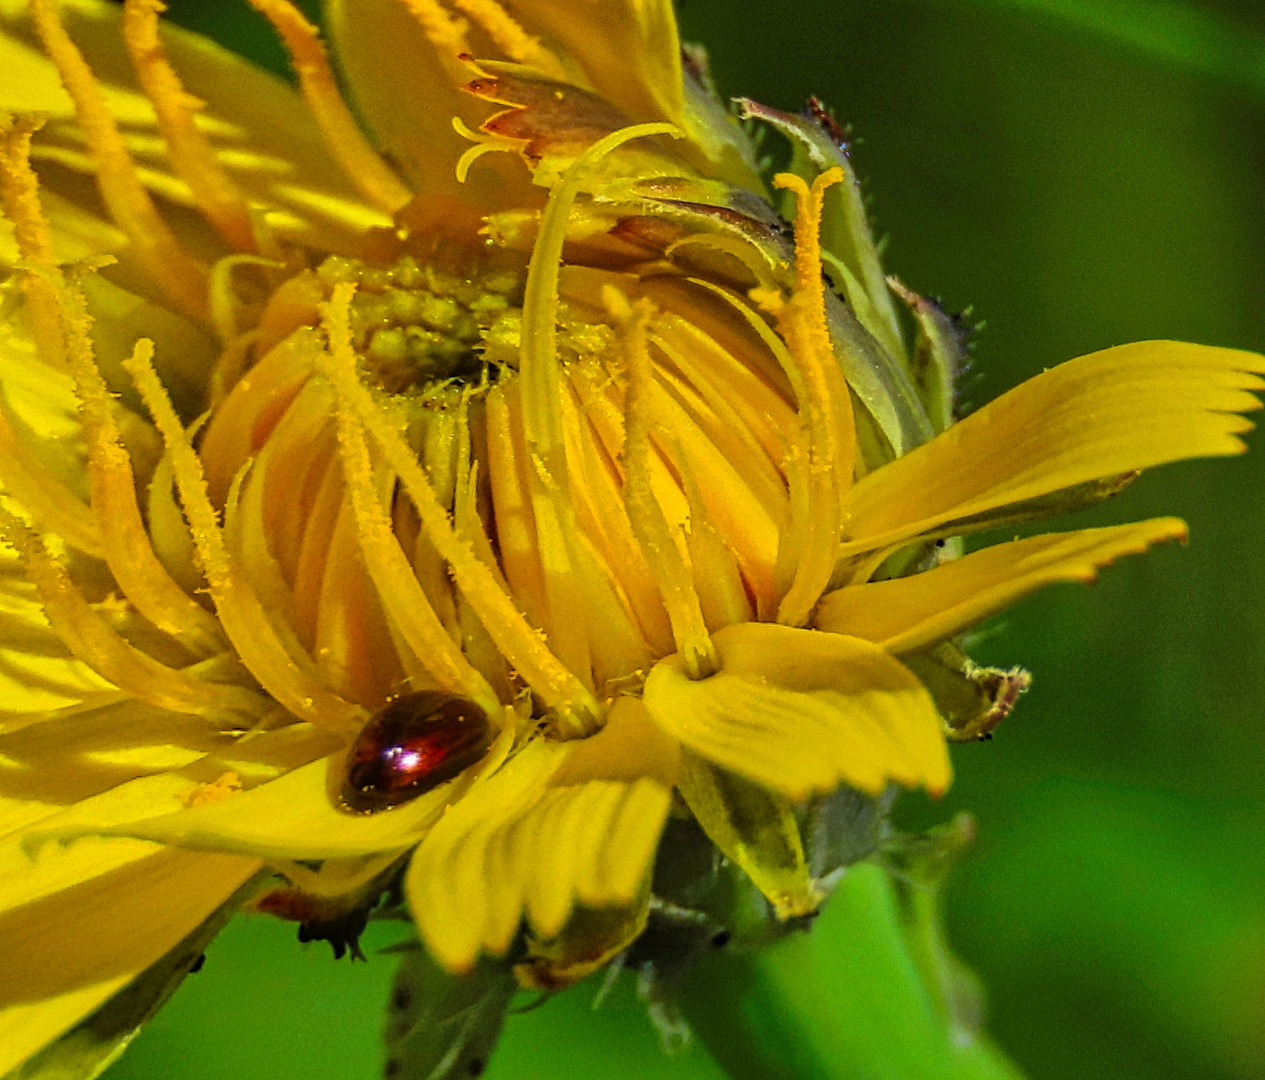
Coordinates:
<point>802,712</point>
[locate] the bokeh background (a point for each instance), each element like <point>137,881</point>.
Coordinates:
<point>1081,174</point>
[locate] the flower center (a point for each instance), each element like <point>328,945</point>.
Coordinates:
<point>416,324</point>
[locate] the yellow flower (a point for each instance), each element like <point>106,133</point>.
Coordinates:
<point>437,501</point>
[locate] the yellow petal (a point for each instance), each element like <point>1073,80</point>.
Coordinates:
<point>37,672</point>
<point>261,130</point>
<point>117,907</point>
<point>910,613</point>
<point>515,842</point>
<point>802,712</point>
<point>628,50</point>
<point>106,762</point>
<point>630,745</point>
<point>99,770</point>
<point>455,902</point>
<point>1099,416</point>
<point>292,817</point>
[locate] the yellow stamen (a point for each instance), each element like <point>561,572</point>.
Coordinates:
<point>251,507</point>
<point>19,190</point>
<point>447,34</point>
<point>512,39</point>
<point>289,678</point>
<point>796,462</point>
<point>515,525</point>
<point>745,525</point>
<point>720,411</point>
<point>372,177</point>
<point>541,387</point>
<point>438,454</point>
<point>476,643</point>
<point>59,316</point>
<point>128,551</point>
<point>604,486</point>
<point>538,359</point>
<point>827,406</point>
<point>484,143</point>
<point>615,641</point>
<point>717,579</point>
<point>168,264</point>
<point>562,692</point>
<point>90,638</point>
<point>401,596</point>
<point>676,584</point>
<point>219,199</point>
<point>600,514</point>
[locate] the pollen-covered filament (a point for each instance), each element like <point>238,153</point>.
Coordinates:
<point>387,506</point>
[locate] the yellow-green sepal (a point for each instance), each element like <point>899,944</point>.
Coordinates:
<point>755,828</point>
<point>440,1025</point>
<point>940,353</point>
<point>972,700</point>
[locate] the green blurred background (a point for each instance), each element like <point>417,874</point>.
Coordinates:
<point>1081,174</point>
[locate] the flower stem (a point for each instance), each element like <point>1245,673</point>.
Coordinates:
<point>846,1001</point>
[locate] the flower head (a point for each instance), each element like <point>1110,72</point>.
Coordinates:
<point>459,500</point>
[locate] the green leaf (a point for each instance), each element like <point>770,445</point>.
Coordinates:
<point>846,1000</point>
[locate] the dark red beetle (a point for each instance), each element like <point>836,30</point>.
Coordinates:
<point>412,745</point>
